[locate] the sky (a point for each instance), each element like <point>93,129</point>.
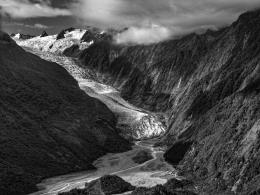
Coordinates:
<point>158,19</point>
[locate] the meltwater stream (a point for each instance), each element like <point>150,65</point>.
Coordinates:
<point>153,172</point>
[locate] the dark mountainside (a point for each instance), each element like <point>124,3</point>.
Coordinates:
<point>48,126</point>
<point>208,85</point>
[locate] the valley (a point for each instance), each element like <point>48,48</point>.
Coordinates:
<point>135,124</point>
<point>148,174</point>
<point>82,100</point>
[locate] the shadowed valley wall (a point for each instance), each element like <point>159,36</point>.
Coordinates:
<point>48,126</point>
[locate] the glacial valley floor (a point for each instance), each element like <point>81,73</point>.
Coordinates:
<point>150,173</point>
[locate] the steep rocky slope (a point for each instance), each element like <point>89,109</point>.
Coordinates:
<point>209,87</point>
<point>48,126</point>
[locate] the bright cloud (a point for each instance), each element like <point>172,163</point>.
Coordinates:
<point>143,35</point>
<point>41,26</point>
<point>178,16</point>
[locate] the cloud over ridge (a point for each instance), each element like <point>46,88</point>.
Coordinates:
<point>144,35</point>
<point>177,16</point>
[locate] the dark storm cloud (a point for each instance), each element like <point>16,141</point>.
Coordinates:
<point>163,12</point>
<point>31,16</point>
<point>155,18</point>
<point>31,8</point>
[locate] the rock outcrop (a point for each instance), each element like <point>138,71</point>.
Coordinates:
<point>48,126</point>
<point>208,85</point>
<point>106,185</point>
<point>44,34</point>
<point>61,35</point>
<point>96,35</point>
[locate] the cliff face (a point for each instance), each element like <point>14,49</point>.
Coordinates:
<point>209,87</point>
<point>48,125</point>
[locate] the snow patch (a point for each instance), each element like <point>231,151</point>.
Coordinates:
<point>75,34</point>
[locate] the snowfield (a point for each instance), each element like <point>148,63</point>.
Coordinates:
<point>50,44</point>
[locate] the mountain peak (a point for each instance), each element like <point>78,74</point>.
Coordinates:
<point>249,17</point>
<point>44,34</point>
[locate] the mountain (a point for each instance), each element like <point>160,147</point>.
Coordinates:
<point>208,87</point>
<point>69,41</point>
<point>48,125</point>
<point>44,34</point>
<point>56,43</point>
